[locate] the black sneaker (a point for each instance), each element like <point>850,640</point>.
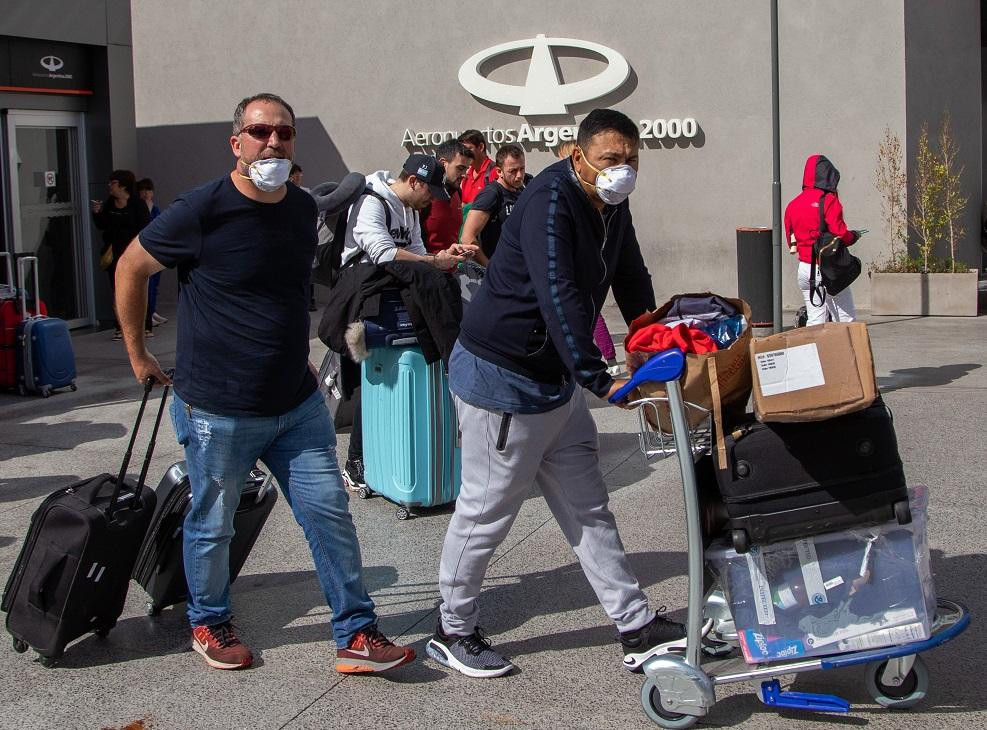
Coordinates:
<point>471,655</point>
<point>657,637</point>
<point>353,475</point>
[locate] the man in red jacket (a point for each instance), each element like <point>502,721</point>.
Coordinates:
<point>802,229</point>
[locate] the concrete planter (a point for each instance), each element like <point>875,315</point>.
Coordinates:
<point>939,295</point>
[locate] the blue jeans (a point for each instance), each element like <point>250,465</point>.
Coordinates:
<point>299,448</point>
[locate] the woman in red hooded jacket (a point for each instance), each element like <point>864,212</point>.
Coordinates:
<point>819,182</point>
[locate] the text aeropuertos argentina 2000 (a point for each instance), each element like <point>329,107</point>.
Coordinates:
<point>552,135</point>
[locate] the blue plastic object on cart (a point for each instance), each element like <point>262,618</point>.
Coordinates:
<point>660,368</point>
<point>772,696</point>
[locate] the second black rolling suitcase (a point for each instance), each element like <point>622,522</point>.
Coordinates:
<point>784,481</point>
<point>160,567</point>
<point>72,574</point>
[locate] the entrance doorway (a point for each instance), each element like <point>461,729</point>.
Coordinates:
<point>48,211</point>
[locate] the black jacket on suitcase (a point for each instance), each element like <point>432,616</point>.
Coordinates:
<point>160,567</point>
<point>789,480</point>
<point>72,574</point>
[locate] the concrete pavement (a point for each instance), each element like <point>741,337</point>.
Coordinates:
<point>537,607</point>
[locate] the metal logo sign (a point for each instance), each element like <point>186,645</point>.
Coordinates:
<point>542,92</point>
<point>52,63</point>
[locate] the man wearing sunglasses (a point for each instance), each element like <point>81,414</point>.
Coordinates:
<point>243,245</point>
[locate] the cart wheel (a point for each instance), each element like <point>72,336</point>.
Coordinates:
<point>46,392</point>
<point>651,703</point>
<point>403,513</point>
<point>102,631</point>
<point>364,493</point>
<point>20,646</point>
<point>902,513</point>
<point>21,390</point>
<point>47,661</point>
<point>73,387</point>
<point>741,543</point>
<point>908,694</point>
<point>152,609</point>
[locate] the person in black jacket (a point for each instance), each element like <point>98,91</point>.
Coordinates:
<point>524,356</point>
<point>121,217</point>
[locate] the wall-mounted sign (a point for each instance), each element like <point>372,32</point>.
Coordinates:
<point>550,135</point>
<point>44,66</point>
<point>542,92</point>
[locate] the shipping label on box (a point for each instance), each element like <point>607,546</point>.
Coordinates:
<point>784,371</point>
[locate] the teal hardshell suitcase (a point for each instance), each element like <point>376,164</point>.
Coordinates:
<point>411,446</point>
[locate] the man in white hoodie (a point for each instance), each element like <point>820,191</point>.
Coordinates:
<point>383,226</point>
<point>375,235</point>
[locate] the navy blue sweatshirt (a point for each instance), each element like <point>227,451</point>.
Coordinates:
<point>556,260</point>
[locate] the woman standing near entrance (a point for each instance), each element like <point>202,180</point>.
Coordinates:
<point>120,217</point>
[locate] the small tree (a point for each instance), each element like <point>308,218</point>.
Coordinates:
<point>928,219</point>
<point>892,184</point>
<point>953,200</point>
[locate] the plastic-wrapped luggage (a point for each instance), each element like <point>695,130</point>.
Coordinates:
<point>842,591</point>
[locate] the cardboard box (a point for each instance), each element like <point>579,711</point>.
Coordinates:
<point>813,373</point>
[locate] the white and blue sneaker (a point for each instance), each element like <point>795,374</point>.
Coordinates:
<point>472,655</point>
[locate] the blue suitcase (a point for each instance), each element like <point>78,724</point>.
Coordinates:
<point>410,432</point>
<point>45,359</point>
<point>392,324</point>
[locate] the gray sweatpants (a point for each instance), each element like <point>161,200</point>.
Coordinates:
<point>560,451</point>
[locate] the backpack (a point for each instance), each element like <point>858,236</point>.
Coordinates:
<point>838,268</point>
<point>332,238</point>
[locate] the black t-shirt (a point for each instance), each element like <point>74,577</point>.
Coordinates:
<point>498,201</point>
<point>120,225</point>
<point>243,272</point>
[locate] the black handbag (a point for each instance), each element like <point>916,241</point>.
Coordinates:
<point>838,268</point>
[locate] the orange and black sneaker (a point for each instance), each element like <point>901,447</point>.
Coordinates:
<point>221,647</point>
<point>371,651</point>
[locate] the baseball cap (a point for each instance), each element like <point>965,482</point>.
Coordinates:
<point>430,171</point>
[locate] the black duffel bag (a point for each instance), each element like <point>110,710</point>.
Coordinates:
<point>838,268</point>
<point>783,481</point>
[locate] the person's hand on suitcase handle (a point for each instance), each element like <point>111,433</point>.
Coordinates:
<point>145,366</point>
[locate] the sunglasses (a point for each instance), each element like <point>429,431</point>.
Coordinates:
<point>261,132</point>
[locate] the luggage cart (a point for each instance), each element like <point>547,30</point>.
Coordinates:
<point>681,687</point>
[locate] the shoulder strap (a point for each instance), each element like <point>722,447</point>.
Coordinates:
<point>383,201</point>
<point>814,290</point>
<point>489,175</point>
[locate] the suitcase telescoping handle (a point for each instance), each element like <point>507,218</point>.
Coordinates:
<point>148,387</point>
<point>22,264</point>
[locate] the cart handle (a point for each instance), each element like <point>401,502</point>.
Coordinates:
<point>661,367</point>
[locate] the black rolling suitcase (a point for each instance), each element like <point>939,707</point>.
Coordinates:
<point>785,481</point>
<point>160,567</point>
<point>72,574</point>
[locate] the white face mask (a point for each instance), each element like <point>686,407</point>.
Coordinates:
<point>270,173</point>
<point>613,184</point>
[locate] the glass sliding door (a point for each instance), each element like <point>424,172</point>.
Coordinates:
<point>48,209</point>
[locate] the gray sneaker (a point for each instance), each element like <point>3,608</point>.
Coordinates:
<point>471,655</point>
